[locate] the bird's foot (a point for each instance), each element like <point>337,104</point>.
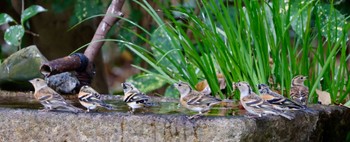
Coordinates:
<point>196,116</point>
<point>131,112</point>
<point>44,110</point>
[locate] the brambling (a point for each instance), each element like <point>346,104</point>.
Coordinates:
<point>194,100</point>
<point>204,87</point>
<point>256,105</point>
<point>278,101</point>
<point>299,92</point>
<point>90,99</point>
<point>49,98</point>
<point>134,97</point>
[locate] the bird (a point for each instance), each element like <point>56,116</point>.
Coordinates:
<point>278,101</point>
<point>49,98</point>
<point>90,99</point>
<point>299,92</point>
<point>194,100</point>
<point>204,87</point>
<point>134,97</point>
<point>255,105</point>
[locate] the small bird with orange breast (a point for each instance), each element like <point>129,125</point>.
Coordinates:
<point>49,98</point>
<point>299,92</point>
<point>204,87</point>
<point>253,104</point>
<point>194,100</point>
<point>134,97</point>
<point>278,101</point>
<point>90,99</point>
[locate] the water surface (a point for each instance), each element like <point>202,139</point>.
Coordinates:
<point>120,106</point>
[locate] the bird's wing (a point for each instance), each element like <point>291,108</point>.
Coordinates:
<point>137,97</point>
<point>257,105</point>
<point>256,102</point>
<point>280,101</point>
<point>46,94</point>
<point>201,99</point>
<point>90,98</point>
<point>304,91</point>
<point>295,92</point>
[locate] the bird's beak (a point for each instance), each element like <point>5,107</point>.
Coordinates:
<point>31,81</point>
<point>259,86</point>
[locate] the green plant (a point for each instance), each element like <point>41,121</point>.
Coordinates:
<point>239,41</point>
<point>13,35</point>
<point>240,38</point>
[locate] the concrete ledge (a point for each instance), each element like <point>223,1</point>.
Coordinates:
<point>328,124</point>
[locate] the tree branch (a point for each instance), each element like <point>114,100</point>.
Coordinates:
<point>111,17</point>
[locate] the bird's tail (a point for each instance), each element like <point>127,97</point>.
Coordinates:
<point>150,104</point>
<point>107,106</point>
<point>74,109</point>
<point>308,110</point>
<point>289,116</point>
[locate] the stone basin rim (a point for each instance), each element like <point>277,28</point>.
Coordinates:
<point>330,123</point>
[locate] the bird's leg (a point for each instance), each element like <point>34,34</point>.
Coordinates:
<point>46,109</point>
<point>195,116</point>
<point>143,110</point>
<point>131,111</point>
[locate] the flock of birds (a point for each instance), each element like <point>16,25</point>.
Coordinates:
<point>268,102</point>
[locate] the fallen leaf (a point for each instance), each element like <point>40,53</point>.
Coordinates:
<point>347,104</point>
<point>323,97</point>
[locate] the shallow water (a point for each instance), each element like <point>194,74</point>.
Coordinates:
<point>120,106</point>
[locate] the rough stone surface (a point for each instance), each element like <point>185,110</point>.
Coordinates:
<point>330,123</point>
<point>64,82</point>
<point>20,67</point>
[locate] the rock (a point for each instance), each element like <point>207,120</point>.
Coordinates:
<point>64,82</point>
<point>20,67</point>
<point>330,123</point>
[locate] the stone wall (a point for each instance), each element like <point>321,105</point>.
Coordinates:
<point>328,124</point>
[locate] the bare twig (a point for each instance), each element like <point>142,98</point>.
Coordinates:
<point>32,33</point>
<point>22,6</point>
<point>112,14</point>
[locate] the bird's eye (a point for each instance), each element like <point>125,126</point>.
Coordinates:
<point>179,84</point>
<point>301,77</point>
<point>37,79</point>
